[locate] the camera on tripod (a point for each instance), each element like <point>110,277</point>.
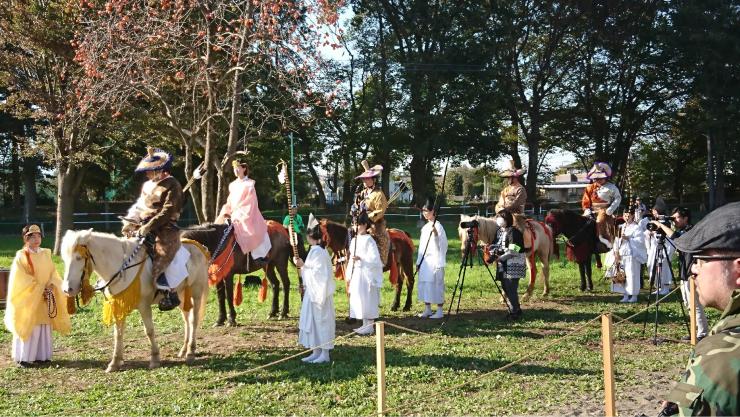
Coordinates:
<point>469,225</point>
<point>662,219</point>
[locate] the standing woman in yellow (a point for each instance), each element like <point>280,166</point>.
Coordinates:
<point>36,304</point>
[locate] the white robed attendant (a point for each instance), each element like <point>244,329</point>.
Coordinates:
<point>630,246</point>
<point>431,264</point>
<point>365,276</point>
<point>317,326</point>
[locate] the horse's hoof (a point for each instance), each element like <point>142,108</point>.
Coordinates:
<point>394,308</point>
<point>407,308</point>
<point>154,364</point>
<point>113,367</point>
<point>219,323</point>
<point>232,323</point>
<point>283,316</point>
<point>181,353</point>
<point>190,359</point>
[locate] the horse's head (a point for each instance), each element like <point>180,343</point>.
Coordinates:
<point>77,260</point>
<point>333,234</point>
<point>554,219</point>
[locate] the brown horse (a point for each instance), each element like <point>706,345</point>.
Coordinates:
<point>210,235</point>
<point>581,244</point>
<point>337,239</point>
<point>537,240</point>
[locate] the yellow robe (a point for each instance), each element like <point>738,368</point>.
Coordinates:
<point>26,307</point>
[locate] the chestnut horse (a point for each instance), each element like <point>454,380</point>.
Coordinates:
<point>336,237</point>
<point>210,234</point>
<point>581,234</point>
<point>541,248</point>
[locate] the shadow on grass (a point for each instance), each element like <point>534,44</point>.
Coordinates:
<point>351,362</point>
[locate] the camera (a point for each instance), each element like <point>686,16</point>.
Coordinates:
<point>470,224</point>
<point>662,219</point>
<point>495,250</point>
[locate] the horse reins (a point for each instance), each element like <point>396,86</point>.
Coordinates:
<point>85,252</point>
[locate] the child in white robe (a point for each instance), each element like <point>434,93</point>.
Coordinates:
<point>431,261</point>
<point>630,247</point>
<point>317,325</point>
<point>364,277</point>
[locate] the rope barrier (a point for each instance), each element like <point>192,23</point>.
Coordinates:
<point>401,411</point>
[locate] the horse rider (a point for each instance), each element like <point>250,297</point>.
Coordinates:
<point>601,199</point>
<point>514,195</point>
<point>161,205</point>
<point>372,200</point>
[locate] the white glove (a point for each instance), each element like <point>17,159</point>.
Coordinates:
<point>198,173</point>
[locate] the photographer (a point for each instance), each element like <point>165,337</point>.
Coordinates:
<point>654,236</point>
<point>510,261</point>
<point>711,383</point>
<point>681,218</point>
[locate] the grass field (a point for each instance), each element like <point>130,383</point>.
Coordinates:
<point>565,379</point>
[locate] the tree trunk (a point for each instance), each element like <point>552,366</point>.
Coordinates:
<point>533,145</point>
<point>419,183</point>
<point>316,181</point>
<point>69,179</point>
<point>194,188</point>
<point>15,167</point>
<point>30,170</point>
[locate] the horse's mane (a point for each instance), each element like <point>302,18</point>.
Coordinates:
<point>82,237</point>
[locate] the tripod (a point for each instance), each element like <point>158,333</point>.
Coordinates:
<point>471,246</point>
<point>656,275</point>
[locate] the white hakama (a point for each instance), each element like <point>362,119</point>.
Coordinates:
<point>36,348</point>
<point>365,278</point>
<point>317,325</point>
<point>431,285</point>
<point>632,253</point>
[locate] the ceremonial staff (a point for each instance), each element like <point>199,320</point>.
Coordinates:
<point>283,178</point>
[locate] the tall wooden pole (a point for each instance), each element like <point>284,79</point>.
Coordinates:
<point>607,344</point>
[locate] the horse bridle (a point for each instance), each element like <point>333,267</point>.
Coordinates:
<point>84,251</point>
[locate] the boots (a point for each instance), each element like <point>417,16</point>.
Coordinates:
<point>313,356</point>
<point>427,312</point>
<point>367,327</point>
<point>169,301</point>
<point>323,357</point>
<point>437,315</point>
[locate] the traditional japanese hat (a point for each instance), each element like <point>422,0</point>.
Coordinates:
<point>599,170</point>
<point>511,171</point>
<point>155,160</point>
<point>312,222</point>
<point>31,229</point>
<point>240,158</point>
<point>370,172</point>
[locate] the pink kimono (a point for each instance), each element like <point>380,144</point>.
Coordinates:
<point>250,228</point>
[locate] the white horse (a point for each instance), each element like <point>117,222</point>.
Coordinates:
<point>541,248</point>
<point>105,253</point>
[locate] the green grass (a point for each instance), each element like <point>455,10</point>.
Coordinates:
<point>565,378</point>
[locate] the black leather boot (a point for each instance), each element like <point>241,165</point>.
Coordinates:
<point>169,301</point>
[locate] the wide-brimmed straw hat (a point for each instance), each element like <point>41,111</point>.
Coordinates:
<point>511,171</point>
<point>370,172</point>
<point>599,170</point>
<point>33,228</point>
<point>155,160</point>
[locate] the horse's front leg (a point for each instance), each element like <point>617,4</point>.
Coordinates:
<point>221,293</point>
<point>286,290</point>
<point>532,268</point>
<point>397,298</point>
<point>146,317</point>
<point>191,324</point>
<point>275,286</point>
<point>117,362</point>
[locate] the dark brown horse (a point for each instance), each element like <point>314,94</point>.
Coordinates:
<point>210,234</point>
<point>581,234</point>
<point>336,237</point>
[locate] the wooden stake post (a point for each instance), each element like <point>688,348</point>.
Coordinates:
<point>692,310</point>
<point>607,343</point>
<point>380,364</point>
